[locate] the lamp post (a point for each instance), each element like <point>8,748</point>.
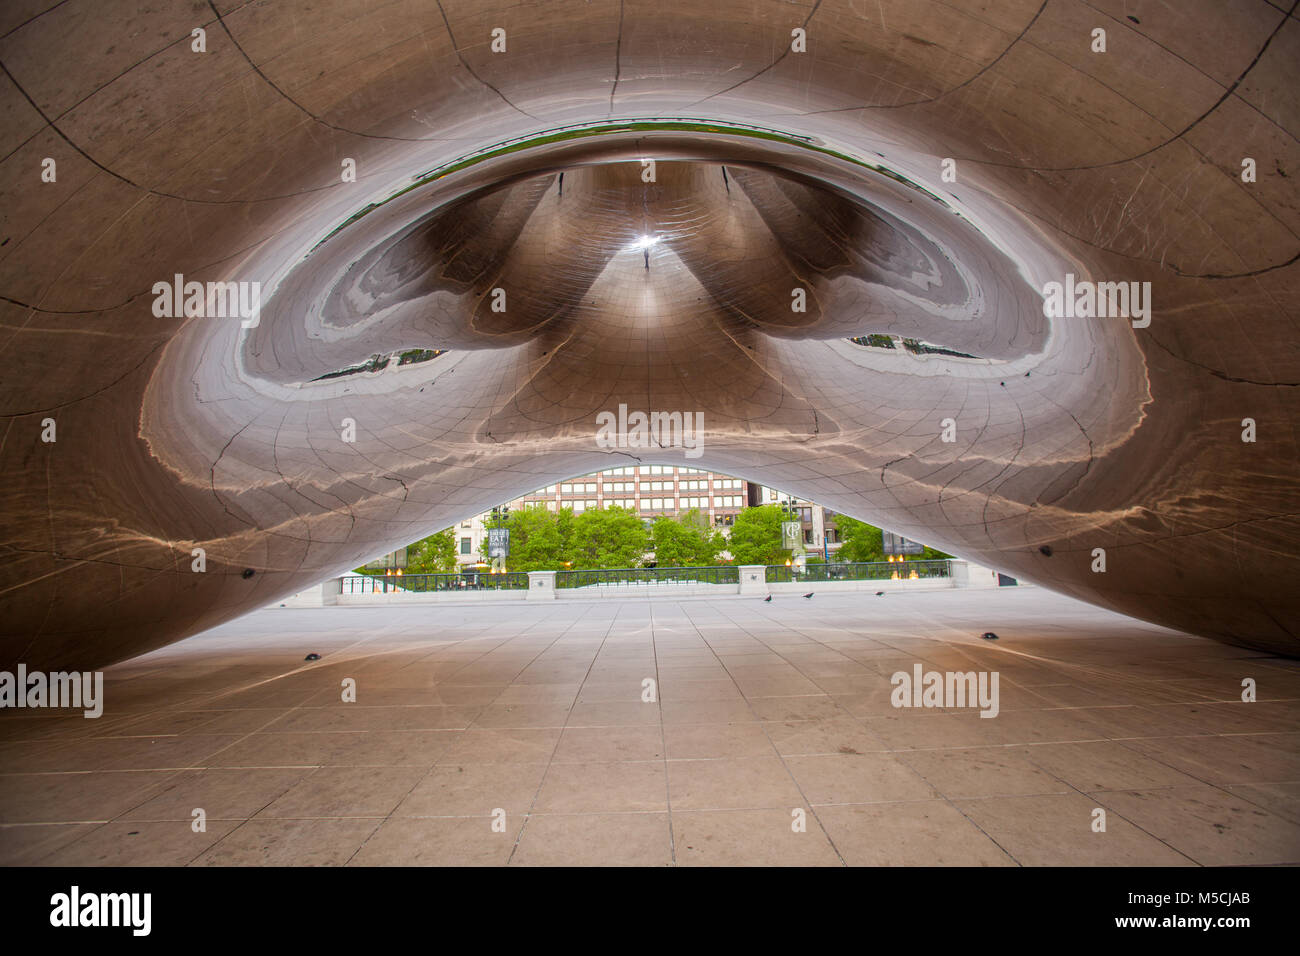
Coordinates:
<point>790,516</point>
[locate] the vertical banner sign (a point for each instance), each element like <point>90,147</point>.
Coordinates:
<point>498,548</point>
<point>791,535</point>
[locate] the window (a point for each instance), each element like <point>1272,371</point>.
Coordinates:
<point>465,545</point>
<point>566,489</point>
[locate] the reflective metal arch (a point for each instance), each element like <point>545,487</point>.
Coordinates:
<point>226,165</point>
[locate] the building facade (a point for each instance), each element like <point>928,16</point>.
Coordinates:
<point>820,535</point>
<point>652,491</point>
<point>656,490</point>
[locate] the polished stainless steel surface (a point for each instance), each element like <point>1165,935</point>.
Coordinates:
<point>526,171</point>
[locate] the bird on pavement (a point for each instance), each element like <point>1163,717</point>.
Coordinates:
<point>810,594</point>
<point>768,599</point>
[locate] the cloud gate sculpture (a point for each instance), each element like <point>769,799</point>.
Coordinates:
<point>286,285</point>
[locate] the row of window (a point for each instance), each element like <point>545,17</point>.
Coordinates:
<point>630,487</point>
<point>660,504</point>
<point>652,504</point>
<point>652,470</point>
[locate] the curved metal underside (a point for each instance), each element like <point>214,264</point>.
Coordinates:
<point>522,170</point>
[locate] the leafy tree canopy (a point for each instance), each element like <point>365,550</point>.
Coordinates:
<point>606,538</point>
<point>756,536</point>
<point>686,541</point>
<point>864,542</point>
<point>435,554</point>
<point>861,541</point>
<point>537,539</point>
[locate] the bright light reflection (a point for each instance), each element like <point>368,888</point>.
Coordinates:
<point>645,242</point>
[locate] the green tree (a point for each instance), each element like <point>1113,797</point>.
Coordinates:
<point>861,541</point>
<point>435,554</point>
<point>537,539</point>
<point>606,538</point>
<point>687,541</point>
<point>756,536</point>
<point>864,542</point>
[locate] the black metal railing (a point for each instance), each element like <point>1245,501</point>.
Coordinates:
<point>631,577</point>
<point>622,577</point>
<point>465,581</point>
<point>863,571</point>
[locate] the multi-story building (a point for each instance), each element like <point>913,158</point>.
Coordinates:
<point>650,490</point>
<point>820,535</point>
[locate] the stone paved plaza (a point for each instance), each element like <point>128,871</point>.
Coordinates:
<point>516,734</point>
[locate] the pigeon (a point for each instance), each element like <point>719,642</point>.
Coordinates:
<point>989,636</point>
<point>810,594</point>
<point>312,657</point>
<point>768,599</point>
<point>880,594</point>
